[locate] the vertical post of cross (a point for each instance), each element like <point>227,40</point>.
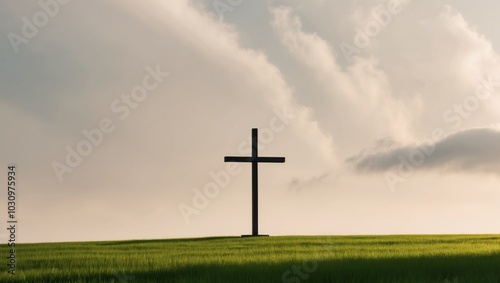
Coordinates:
<point>255,159</point>
<point>255,183</point>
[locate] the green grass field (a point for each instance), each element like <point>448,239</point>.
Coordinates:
<point>456,258</point>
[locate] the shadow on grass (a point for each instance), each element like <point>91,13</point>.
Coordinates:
<point>459,269</point>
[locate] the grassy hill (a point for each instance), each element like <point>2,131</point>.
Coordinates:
<point>447,258</point>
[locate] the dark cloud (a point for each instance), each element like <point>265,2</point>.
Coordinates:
<point>472,150</point>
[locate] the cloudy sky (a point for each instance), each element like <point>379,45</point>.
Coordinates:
<point>118,115</point>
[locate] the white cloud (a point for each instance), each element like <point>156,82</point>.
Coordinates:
<point>344,99</point>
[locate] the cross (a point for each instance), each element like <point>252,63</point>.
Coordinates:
<point>255,159</point>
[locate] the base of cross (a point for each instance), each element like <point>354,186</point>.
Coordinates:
<point>245,236</point>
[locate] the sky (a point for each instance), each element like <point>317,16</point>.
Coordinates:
<point>118,114</point>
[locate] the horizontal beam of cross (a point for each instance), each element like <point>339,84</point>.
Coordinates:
<point>250,159</point>
<point>255,159</point>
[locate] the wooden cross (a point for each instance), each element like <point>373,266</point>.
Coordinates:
<point>255,159</point>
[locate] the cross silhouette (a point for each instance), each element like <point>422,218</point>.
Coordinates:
<point>255,160</point>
